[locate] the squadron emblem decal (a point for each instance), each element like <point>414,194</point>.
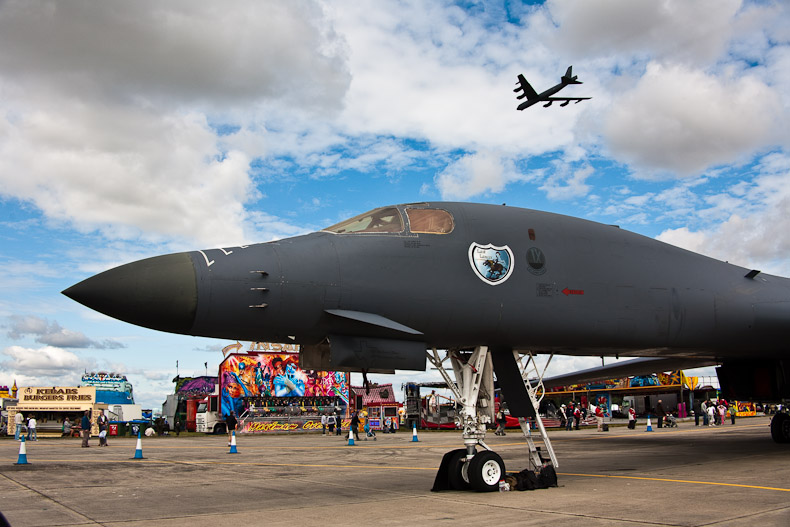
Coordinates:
<point>492,264</point>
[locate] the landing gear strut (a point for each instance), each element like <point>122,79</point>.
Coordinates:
<point>462,469</point>
<point>476,466</point>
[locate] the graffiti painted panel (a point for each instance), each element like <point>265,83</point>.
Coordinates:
<point>274,375</point>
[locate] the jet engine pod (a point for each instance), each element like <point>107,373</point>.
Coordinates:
<point>373,355</point>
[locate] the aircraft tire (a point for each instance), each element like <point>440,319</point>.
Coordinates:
<point>455,474</point>
<point>485,471</point>
<point>780,428</point>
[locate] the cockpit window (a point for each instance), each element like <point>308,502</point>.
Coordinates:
<point>386,219</point>
<point>431,221</point>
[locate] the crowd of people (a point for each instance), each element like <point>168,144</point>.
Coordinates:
<point>713,412</point>
<point>572,415</point>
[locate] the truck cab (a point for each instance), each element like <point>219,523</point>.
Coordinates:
<point>208,418</point>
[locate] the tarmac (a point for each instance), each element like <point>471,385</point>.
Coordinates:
<point>724,476</point>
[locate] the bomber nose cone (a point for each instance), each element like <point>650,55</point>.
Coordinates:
<point>158,293</point>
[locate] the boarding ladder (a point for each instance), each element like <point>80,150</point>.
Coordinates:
<point>533,382</point>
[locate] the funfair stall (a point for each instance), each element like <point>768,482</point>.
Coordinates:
<point>269,392</point>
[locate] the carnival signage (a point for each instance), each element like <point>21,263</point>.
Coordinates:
<point>56,395</point>
<point>270,426</point>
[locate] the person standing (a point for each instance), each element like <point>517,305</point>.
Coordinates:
<point>704,409</point>
<point>177,426</point>
<point>697,411</point>
<point>733,409</point>
<point>85,424</point>
<point>19,421</point>
<point>660,413</point>
<point>355,425</point>
<point>31,428</point>
<point>569,417</point>
<point>103,422</point>
<point>339,416</point>
<point>66,427</point>
<point>711,414</point>
<point>722,412</point>
<point>501,421</point>
<point>599,417</point>
<point>577,416</point>
<point>563,416</point>
<point>231,422</point>
<point>631,418</point>
<point>324,422</point>
<point>331,420</point>
<point>433,403</point>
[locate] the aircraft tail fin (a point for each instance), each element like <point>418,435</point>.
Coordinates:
<point>525,87</point>
<point>569,77</point>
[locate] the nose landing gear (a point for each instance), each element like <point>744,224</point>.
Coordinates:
<point>477,467</point>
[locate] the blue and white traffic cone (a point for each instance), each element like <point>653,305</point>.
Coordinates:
<point>414,434</point>
<point>649,426</point>
<point>138,452</point>
<point>22,453</point>
<point>233,443</point>
<point>350,437</point>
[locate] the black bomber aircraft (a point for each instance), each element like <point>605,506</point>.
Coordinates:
<point>534,97</point>
<point>376,292</point>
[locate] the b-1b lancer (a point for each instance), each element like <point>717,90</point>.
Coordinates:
<point>486,283</point>
<point>534,97</point>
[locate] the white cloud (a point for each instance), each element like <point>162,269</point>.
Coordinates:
<point>52,334</point>
<point>479,173</point>
<point>684,30</point>
<point>442,74</point>
<point>756,220</point>
<point>48,363</point>
<point>683,121</point>
<point>567,182</point>
<point>152,175</point>
<point>105,109</point>
<point>237,52</point>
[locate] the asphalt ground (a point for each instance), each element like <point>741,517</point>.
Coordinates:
<point>723,476</point>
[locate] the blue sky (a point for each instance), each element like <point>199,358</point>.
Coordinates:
<point>130,130</point>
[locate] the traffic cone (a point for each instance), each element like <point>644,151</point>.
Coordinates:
<point>233,443</point>
<point>649,426</point>
<point>22,453</point>
<point>350,437</point>
<point>414,434</point>
<point>138,452</point>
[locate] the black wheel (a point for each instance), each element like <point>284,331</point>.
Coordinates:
<point>485,470</point>
<point>780,428</point>
<point>456,471</point>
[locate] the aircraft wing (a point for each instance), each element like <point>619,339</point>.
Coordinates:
<point>640,366</point>
<point>565,100</point>
<point>526,88</point>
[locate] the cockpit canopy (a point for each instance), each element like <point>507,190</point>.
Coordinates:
<point>391,220</point>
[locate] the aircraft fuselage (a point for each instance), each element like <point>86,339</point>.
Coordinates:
<point>570,286</point>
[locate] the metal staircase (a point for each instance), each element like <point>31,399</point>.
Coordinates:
<point>533,381</point>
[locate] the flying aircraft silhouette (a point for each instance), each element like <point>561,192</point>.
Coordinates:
<point>534,97</point>
<point>490,285</point>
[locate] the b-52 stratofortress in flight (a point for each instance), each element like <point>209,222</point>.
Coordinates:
<point>486,284</point>
<point>534,97</point>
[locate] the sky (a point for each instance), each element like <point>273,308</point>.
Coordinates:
<point>132,129</point>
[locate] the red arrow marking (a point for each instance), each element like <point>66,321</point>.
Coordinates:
<point>567,291</point>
